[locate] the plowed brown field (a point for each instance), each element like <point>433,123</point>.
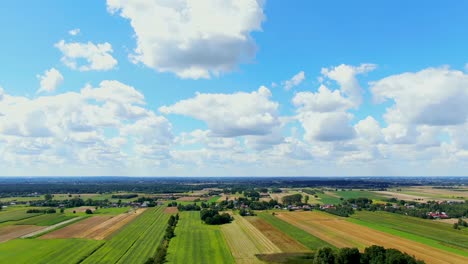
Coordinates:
<point>14,231</point>
<point>342,233</point>
<point>280,239</point>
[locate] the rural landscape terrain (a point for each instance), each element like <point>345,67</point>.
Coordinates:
<point>241,220</point>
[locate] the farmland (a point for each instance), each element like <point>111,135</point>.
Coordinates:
<point>12,231</point>
<point>342,233</point>
<point>15,215</point>
<point>46,251</point>
<point>201,243</point>
<point>76,229</point>
<point>136,242</point>
<point>300,235</point>
<point>45,220</point>
<point>442,236</point>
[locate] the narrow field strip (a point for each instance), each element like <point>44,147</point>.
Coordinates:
<point>75,230</point>
<point>52,227</point>
<point>323,225</point>
<point>12,232</point>
<point>283,241</point>
<point>109,226</point>
<point>241,242</point>
<point>135,242</point>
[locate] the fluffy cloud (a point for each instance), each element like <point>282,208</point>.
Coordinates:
<point>324,100</point>
<point>74,32</point>
<point>345,76</point>
<point>433,96</point>
<point>192,38</point>
<point>294,81</point>
<point>323,115</point>
<point>97,56</point>
<point>50,80</point>
<point>231,115</point>
<point>86,127</point>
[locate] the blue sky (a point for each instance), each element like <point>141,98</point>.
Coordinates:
<point>232,88</point>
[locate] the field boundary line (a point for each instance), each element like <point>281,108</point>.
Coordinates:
<point>52,228</point>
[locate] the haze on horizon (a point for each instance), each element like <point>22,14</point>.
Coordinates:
<point>234,87</point>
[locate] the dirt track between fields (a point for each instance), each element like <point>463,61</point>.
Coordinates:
<point>342,233</point>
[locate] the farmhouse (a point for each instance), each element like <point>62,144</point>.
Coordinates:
<point>441,215</point>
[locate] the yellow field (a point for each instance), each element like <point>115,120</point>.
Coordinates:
<point>341,233</point>
<point>245,241</point>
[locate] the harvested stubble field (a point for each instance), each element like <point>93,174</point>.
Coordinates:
<point>171,210</point>
<point>283,241</point>
<point>14,231</point>
<point>341,233</point>
<point>245,241</point>
<point>76,229</point>
<point>136,242</point>
<point>196,242</point>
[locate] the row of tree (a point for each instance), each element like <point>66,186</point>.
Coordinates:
<point>372,255</point>
<point>161,252</point>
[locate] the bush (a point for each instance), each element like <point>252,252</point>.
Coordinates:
<point>88,211</point>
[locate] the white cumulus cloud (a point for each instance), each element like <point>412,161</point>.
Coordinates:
<point>98,57</point>
<point>192,38</point>
<point>345,76</point>
<point>50,80</point>
<point>231,115</point>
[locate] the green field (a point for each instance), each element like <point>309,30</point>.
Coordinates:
<point>328,199</point>
<point>359,194</point>
<point>15,215</point>
<point>298,234</point>
<point>214,199</point>
<point>435,234</point>
<point>45,220</point>
<point>196,242</point>
<point>55,251</point>
<point>136,242</point>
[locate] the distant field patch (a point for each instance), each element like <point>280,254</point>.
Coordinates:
<point>347,194</point>
<point>188,198</point>
<point>13,231</point>
<point>57,251</point>
<point>196,242</point>
<point>75,230</point>
<point>45,220</point>
<point>342,233</point>
<point>171,210</point>
<point>214,199</point>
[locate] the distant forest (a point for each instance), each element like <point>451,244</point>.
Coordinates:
<point>12,186</point>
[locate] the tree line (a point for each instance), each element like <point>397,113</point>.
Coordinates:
<point>161,252</point>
